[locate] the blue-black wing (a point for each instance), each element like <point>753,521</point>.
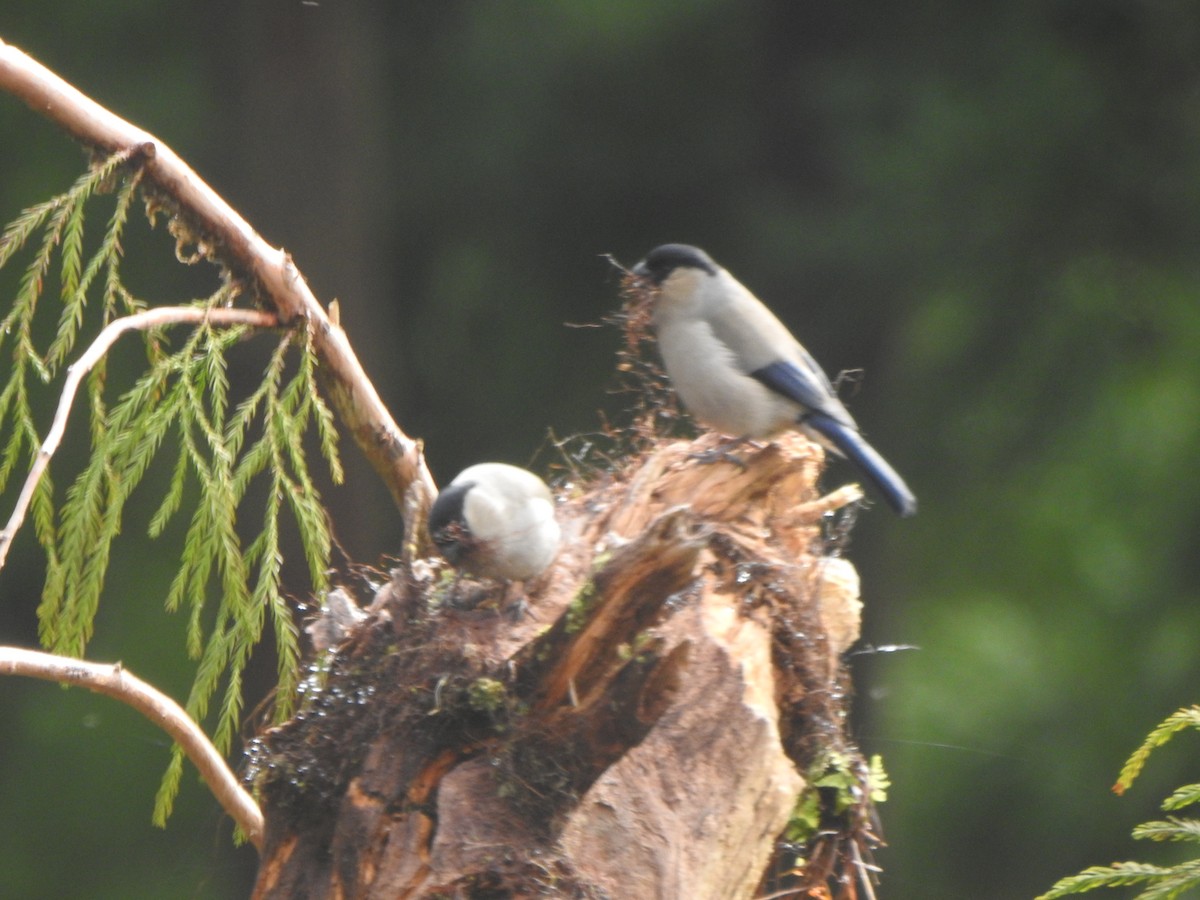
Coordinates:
<point>810,389</point>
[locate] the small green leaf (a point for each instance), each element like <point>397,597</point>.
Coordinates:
<point>1188,717</point>
<point>1183,796</point>
<point>1117,875</point>
<point>1170,829</point>
<point>168,789</point>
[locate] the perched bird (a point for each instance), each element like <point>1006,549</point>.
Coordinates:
<point>496,521</point>
<point>737,368</point>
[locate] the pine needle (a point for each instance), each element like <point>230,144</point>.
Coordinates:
<point>179,415</point>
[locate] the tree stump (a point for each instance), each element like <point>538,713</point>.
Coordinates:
<point>642,721</point>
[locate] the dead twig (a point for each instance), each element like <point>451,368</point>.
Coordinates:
<point>113,681</point>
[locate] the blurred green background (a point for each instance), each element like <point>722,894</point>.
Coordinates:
<point>992,208</point>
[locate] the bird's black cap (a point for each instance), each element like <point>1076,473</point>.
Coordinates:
<point>447,511</point>
<point>662,261</point>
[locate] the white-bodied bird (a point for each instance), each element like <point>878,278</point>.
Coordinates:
<point>496,521</point>
<point>737,368</point>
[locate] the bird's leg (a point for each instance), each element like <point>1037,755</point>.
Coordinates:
<point>516,611</point>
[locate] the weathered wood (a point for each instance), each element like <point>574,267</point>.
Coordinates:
<point>641,731</point>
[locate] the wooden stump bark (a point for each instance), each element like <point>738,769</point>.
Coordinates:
<point>642,728</point>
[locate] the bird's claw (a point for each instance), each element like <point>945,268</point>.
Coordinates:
<point>717,454</point>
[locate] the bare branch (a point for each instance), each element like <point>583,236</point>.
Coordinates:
<point>395,456</point>
<point>152,318</point>
<point>113,681</point>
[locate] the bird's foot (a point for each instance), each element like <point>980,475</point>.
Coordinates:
<point>721,453</point>
<point>518,609</point>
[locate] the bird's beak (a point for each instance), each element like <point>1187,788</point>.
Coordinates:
<point>641,283</point>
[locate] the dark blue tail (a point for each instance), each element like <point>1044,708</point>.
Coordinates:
<point>882,476</point>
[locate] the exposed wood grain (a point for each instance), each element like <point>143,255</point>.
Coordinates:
<point>640,732</point>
